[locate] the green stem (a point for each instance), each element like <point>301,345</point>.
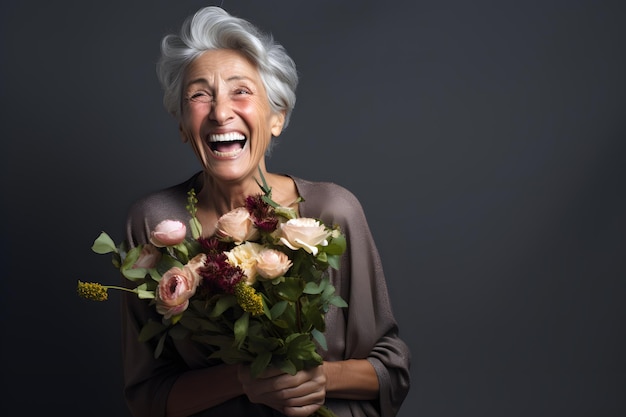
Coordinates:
<point>114,287</point>
<point>324,411</point>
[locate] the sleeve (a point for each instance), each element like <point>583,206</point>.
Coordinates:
<point>147,380</point>
<point>371,330</point>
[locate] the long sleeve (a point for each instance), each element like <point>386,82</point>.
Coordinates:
<point>366,329</point>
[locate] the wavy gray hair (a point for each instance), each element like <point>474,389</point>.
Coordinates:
<point>213,28</point>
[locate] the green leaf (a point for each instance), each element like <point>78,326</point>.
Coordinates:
<point>197,324</point>
<point>336,246</point>
<point>278,309</point>
<point>131,257</point>
<point>336,300</point>
<point>151,329</point>
<point>260,363</point>
<point>166,263</point>
<point>104,244</point>
<point>334,261</point>
<point>241,328</point>
<point>319,338</point>
<point>178,332</point>
<point>289,367</point>
<point>160,345</point>
<point>290,289</point>
<point>182,252</point>
<point>144,294</point>
<point>135,274</point>
<point>313,288</point>
<point>223,304</point>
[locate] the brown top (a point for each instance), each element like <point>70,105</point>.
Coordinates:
<point>366,329</point>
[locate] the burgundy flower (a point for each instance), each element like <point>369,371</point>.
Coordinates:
<point>219,276</point>
<point>262,213</point>
<point>213,245</point>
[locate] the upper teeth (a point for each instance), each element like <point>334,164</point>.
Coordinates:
<point>226,137</point>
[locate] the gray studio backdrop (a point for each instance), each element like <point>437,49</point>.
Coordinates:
<point>485,140</point>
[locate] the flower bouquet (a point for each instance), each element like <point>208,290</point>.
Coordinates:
<point>256,292</point>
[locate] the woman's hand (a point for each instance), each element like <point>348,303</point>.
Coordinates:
<point>298,395</point>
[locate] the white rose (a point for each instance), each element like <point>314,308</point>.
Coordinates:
<point>245,257</point>
<point>305,233</point>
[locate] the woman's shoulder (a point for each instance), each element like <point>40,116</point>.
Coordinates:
<point>164,202</point>
<point>316,189</point>
<point>328,200</point>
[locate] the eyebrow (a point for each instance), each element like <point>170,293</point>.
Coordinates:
<point>202,80</point>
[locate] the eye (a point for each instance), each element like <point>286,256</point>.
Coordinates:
<point>242,91</point>
<point>200,97</point>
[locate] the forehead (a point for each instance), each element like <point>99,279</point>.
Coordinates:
<point>221,64</point>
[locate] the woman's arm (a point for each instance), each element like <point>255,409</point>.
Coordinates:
<point>352,379</point>
<point>197,390</point>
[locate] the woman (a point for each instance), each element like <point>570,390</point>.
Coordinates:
<point>232,90</point>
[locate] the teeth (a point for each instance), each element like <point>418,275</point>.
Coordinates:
<point>226,137</point>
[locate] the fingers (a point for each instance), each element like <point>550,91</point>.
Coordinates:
<point>294,395</point>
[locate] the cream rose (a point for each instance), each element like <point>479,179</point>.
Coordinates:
<point>237,225</point>
<point>148,257</point>
<point>175,289</point>
<point>272,263</point>
<point>245,257</point>
<point>168,233</point>
<point>305,233</point>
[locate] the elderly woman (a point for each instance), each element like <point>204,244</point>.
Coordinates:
<point>232,90</point>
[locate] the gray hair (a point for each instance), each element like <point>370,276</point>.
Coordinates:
<point>213,28</point>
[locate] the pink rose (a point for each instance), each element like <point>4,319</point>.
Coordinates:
<point>272,263</point>
<point>148,257</point>
<point>168,233</point>
<point>237,225</point>
<point>175,289</point>
<point>304,233</point>
<point>193,267</point>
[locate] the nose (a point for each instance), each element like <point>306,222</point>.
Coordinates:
<point>221,111</point>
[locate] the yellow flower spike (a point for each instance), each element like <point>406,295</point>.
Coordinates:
<point>248,299</point>
<point>92,291</point>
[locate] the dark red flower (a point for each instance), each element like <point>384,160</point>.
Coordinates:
<point>219,276</point>
<point>262,213</point>
<point>212,245</point>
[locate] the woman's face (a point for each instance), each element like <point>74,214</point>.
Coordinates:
<point>226,114</point>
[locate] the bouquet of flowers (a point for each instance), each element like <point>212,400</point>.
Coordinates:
<point>255,292</point>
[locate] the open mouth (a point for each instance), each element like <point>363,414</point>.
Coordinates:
<point>227,144</point>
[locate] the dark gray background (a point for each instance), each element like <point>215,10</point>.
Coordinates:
<point>485,140</point>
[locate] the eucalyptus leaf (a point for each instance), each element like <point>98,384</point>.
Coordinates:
<point>135,274</point>
<point>131,258</point>
<point>312,288</point>
<point>319,338</point>
<point>334,261</point>
<point>336,246</point>
<point>336,300</point>
<point>104,244</point>
<point>291,289</point>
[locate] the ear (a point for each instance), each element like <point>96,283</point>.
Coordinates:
<point>277,123</point>
<point>183,136</point>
